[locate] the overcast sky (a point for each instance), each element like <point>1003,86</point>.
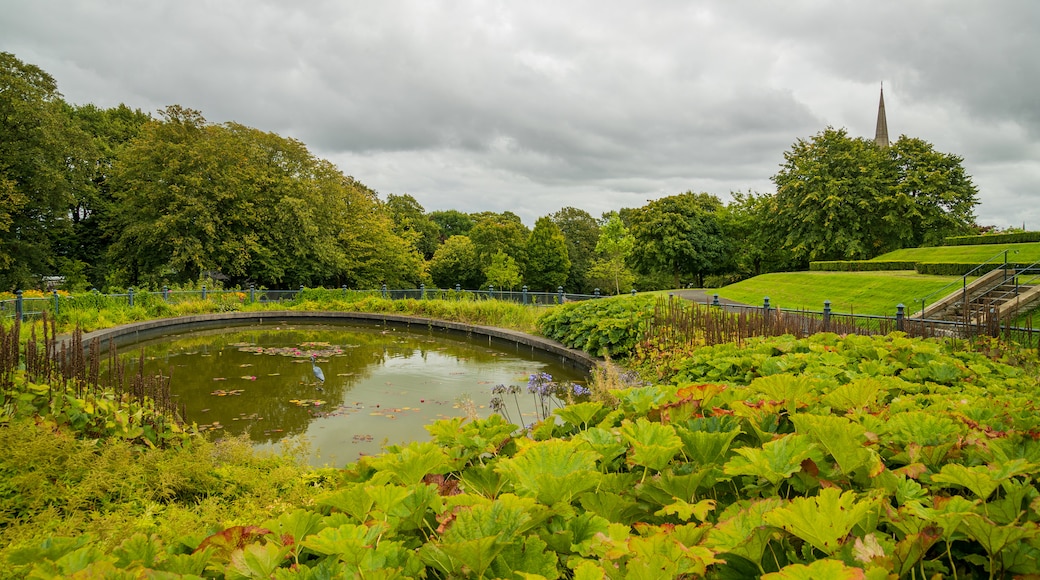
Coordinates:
<point>536,105</point>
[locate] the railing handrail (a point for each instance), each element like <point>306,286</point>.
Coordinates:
<point>963,281</point>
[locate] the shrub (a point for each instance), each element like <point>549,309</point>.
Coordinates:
<point>859,266</point>
<point>611,325</point>
<point>1018,237</point>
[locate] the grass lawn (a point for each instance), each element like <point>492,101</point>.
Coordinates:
<point>1021,253</point>
<point>849,292</point>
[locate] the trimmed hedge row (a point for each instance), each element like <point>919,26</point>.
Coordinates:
<point>1019,237</point>
<point>959,268</point>
<point>859,266</point>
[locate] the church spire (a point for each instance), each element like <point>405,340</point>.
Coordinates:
<point>881,133</point>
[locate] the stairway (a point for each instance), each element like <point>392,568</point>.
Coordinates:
<point>1002,293</point>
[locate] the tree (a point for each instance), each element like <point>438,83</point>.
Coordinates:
<point>679,235</point>
<point>505,232</point>
<point>452,222</point>
<point>745,222</point>
<point>40,160</point>
<point>580,232</point>
<point>412,224</point>
<point>936,195</point>
<point>614,246</point>
<point>192,197</point>
<point>547,261</point>
<point>502,273</point>
<point>456,262</point>
<point>843,198</point>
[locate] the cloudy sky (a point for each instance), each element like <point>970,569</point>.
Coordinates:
<point>536,105</point>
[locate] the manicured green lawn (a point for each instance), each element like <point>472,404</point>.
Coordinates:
<point>1020,253</point>
<point>849,292</point>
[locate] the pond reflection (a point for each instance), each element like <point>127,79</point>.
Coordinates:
<point>382,384</point>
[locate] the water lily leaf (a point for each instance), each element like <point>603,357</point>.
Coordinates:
<point>775,461</point>
<point>823,521</point>
<point>653,445</point>
<point>256,561</point>
<point>818,570</point>
<point>552,471</point>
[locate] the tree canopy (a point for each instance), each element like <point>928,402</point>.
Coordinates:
<point>679,235</point>
<point>580,233</point>
<point>547,261</point>
<point>844,198</point>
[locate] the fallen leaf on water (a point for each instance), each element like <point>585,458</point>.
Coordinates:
<point>243,365</point>
<point>219,378</point>
<point>248,377</point>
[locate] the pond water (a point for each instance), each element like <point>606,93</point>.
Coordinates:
<point>382,384</point>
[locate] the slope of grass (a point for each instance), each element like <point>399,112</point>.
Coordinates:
<point>1020,253</point>
<point>849,292</point>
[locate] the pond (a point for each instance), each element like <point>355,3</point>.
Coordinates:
<point>382,385</point>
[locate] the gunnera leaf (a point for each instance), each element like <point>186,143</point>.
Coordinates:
<point>775,461</point>
<point>552,471</point>
<point>825,520</point>
<point>653,445</point>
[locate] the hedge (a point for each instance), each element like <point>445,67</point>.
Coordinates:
<point>859,266</point>
<point>1019,237</point>
<point>959,268</point>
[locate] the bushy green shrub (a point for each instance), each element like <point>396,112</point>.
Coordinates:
<point>606,326</point>
<point>1018,237</point>
<point>859,266</point>
<point>959,268</point>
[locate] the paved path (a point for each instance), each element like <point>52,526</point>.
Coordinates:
<point>704,296</point>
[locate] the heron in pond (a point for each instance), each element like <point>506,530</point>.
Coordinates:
<point>318,373</point>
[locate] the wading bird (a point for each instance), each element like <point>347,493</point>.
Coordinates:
<point>318,373</point>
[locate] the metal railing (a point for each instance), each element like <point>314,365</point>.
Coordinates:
<point>30,307</point>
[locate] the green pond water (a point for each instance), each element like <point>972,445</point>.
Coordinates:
<point>382,384</point>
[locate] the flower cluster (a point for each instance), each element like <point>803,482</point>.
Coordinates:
<point>546,392</point>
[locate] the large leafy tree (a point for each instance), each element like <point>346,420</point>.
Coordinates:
<point>502,272</point>
<point>456,262</point>
<point>452,222</point>
<point>844,198</point>
<point>496,232</point>
<point>413,224</point>
<point>547,263</point>
<point>679,235</point>
<point>193,198</point>
<point>40,162</point>
<point>614,246</point>
<point>580,232</point>
<point>744,221</point>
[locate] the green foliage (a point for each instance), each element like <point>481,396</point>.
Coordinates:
<point>547,263</point>
<point>860,266</point>
<point>840,198</point>
<point>960,269</point>
<point>614,245</point>
<point>456,262</point>
<point>413,225</point>
<point>679,235</point>
<point>611,325</point>
<point>503,272</point>
<point>494,232</point>
<point>580,233</point>
<point>1012,238</point>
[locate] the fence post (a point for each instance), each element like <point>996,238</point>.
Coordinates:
<point>166,293</point>
<point>826,315</point>
<point>596,292</point>
<point>491,291</point>
<point>204,292</point>
<point>900,315</point>
<point>715,300</point>
<point>57,309</point>
<point>344,288</point>
<point>382,289</point>
<point>559,294</point>
<point>765,307</point>
<point>633,292</point>
<point>18,304</point>
<point>252,293</point>
<point>130,295</point>
<point>422,291</point>
<point>299,295</point>
<point>524,292</point>
<point>458,287</point>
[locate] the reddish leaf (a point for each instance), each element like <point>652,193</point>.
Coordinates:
<point>231,539</point>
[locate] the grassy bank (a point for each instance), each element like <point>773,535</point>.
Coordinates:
<point>1021,253</point>
<point>849,292</point>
